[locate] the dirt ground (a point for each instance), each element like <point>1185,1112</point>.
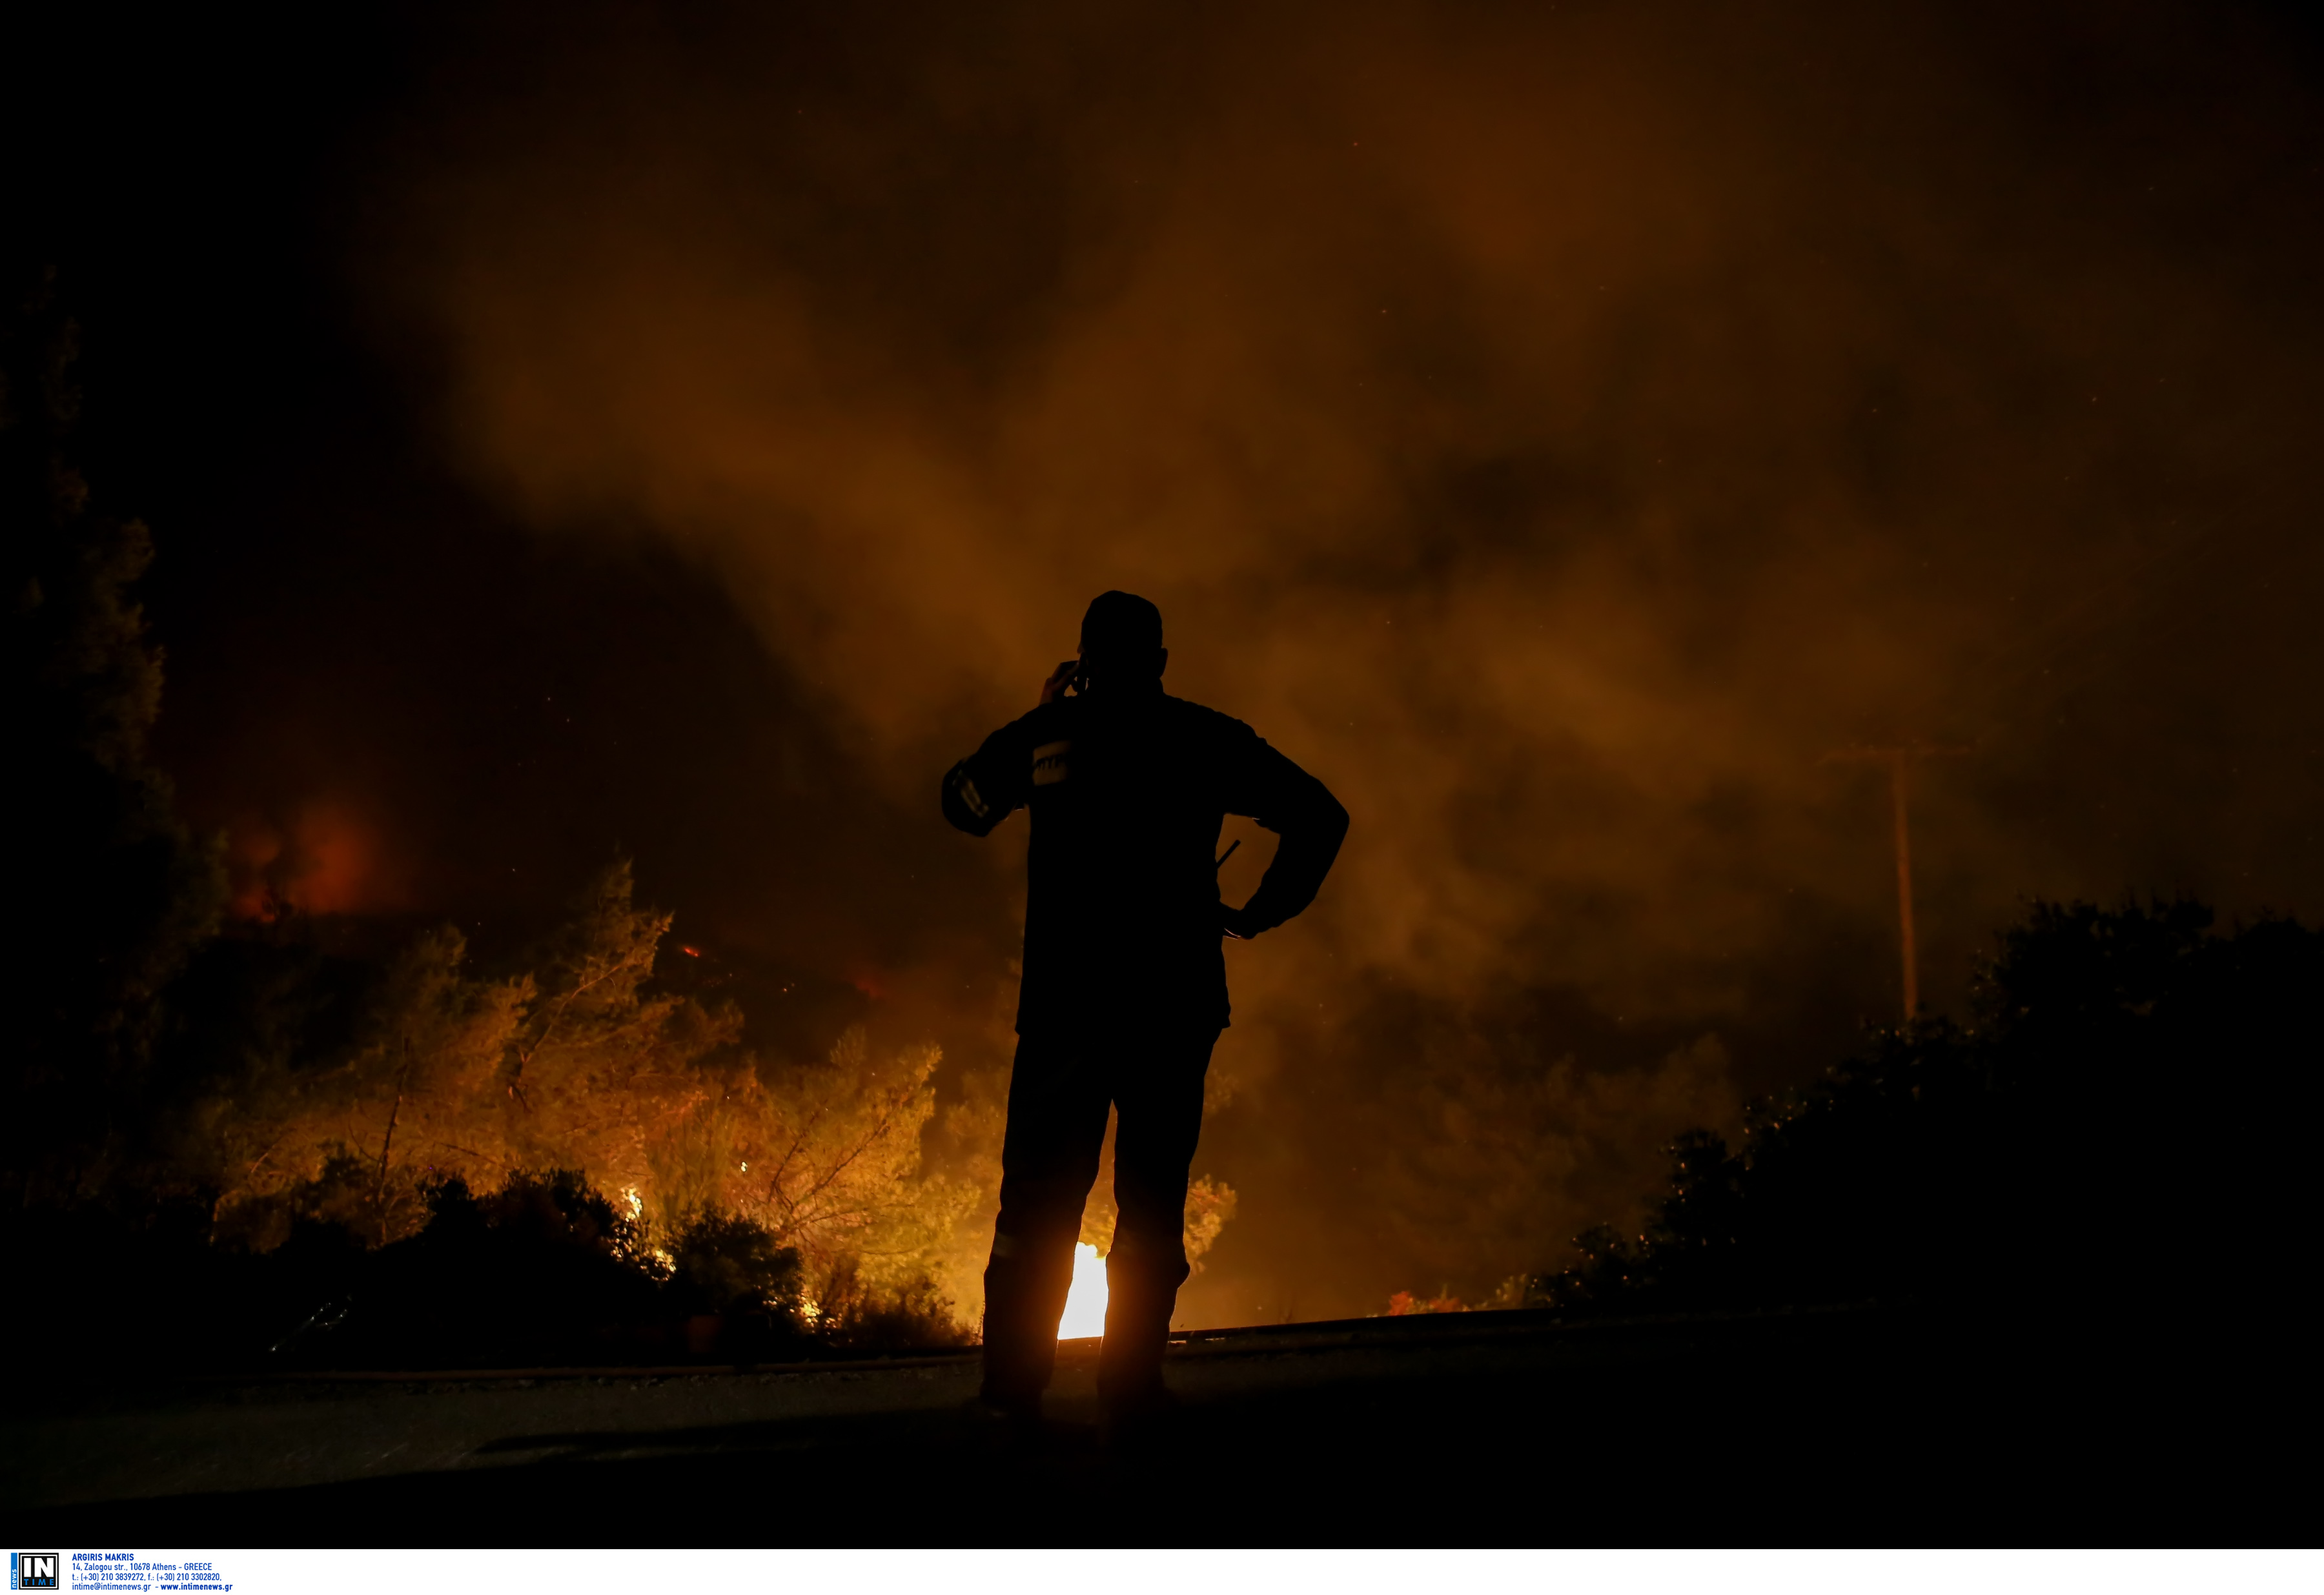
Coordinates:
<point>1832,1427</point>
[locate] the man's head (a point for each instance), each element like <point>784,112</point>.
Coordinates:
<point>1121,643</point>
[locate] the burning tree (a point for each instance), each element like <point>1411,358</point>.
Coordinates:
<point>827,1159</point>
<point>584,1065</point>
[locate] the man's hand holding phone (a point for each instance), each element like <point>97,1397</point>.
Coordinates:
<point>1060,678</point>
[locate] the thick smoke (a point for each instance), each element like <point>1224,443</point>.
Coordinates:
<point>1557,427</point>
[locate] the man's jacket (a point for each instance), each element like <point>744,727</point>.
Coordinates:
<point>1122,916</point>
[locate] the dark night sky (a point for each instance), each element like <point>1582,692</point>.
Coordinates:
<point>572,431</point>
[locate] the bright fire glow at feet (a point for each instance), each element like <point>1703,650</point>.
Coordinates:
<point>1084,1316</point>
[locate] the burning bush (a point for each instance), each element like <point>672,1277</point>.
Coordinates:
<point>450,1080</point>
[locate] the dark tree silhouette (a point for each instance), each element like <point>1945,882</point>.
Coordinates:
<point>109,893</point>
<point>2121,1128</point>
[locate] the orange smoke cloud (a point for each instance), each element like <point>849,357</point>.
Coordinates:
<point>1555,430</point>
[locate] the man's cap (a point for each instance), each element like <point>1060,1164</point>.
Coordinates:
<point>1121,625</point>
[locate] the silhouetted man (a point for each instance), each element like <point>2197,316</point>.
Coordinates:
<point>1124,989</point>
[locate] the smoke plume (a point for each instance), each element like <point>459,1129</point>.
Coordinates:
<point>1558,428</point>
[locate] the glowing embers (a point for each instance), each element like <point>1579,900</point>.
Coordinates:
<point>1084,1315</point>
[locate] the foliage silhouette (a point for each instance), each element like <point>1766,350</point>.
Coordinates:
<point>110,895</point>
<point>720,1263</point>
<point>2119,1129</point>
<point>541,1271</point>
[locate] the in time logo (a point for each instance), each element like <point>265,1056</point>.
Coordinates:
<point>32,1570</point>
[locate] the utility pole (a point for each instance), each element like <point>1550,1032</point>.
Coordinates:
<point>1898,757</point>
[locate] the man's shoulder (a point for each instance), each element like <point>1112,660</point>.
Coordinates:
<point>1189,718</point>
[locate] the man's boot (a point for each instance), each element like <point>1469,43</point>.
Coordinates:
<point>1024,1295</point>
<point>1137,1310</point>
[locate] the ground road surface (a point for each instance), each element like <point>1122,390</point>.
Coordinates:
<point>1833,1426</point>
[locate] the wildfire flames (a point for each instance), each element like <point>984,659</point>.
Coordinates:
<point>1084,1314</point>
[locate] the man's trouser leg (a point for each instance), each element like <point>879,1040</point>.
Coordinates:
<point>1058,1100</point>
<point>1158,1087</point>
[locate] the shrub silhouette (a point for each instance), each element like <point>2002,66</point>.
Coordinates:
<point>543,1271</point>
<point>2119,1127</point>
<point>720,1263</point>
<point>857,1315</point>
